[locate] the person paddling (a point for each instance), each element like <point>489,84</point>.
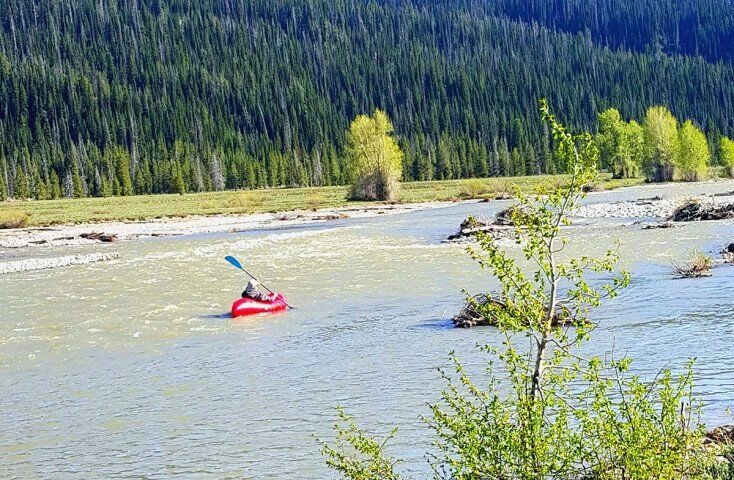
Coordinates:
<point>252,291</point>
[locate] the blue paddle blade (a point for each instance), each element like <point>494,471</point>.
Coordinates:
<point>234,262</point>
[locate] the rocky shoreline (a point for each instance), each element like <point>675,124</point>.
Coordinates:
<point>32,239</point>
<point>650,213</point>
<point>91,234</point>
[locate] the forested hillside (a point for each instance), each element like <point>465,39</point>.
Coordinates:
<point>146,96</point>
<point>688,27</point>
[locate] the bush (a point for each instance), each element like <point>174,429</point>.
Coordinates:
<point>13,219</point>
<point>472,188</point>
<point>315,201</point>
<point>247,201</point>
<point>698,265</point>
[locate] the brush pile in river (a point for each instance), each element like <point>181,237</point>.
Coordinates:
<point>470,316</point>
<point>469,228</point>
<point>697,211</point>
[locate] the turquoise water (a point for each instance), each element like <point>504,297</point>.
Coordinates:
<point>133,368</point>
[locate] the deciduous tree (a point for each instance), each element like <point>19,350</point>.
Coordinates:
<point>374,157</point>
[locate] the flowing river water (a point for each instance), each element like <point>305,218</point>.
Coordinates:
<point>133,369</point>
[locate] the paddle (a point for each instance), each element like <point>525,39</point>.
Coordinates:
<point>236,264</point>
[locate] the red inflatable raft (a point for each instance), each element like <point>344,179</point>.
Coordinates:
<point>243,307</point>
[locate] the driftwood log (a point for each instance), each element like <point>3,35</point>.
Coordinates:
<point>102,237</point>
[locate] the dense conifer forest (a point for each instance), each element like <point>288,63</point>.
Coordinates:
<point>119,97</point>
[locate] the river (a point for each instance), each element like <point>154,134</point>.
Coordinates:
<point>132,368</point>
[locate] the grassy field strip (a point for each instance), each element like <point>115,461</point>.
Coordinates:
<point>145,207</point>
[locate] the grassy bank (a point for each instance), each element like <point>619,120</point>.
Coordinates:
<point>144,207</point>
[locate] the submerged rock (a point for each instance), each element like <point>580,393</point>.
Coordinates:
<point>697,211</point>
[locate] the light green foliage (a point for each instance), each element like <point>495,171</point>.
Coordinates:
<point>727,155</point>
<point>620,144</point>
<point>661,144</point>
<point>13,219</point>
<point>546,412</point>
<point>693,155</point>
<point>359,456</point>
<point>374,158</point>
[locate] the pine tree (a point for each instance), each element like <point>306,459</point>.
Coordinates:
<point>21,190</point>
<point>3,185</point>
<point>54,185</point>
<point>179,186</point>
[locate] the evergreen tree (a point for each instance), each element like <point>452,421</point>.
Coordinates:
<point>287,109</point>
<point>21,190</point>
<point>3,185</point>
<point>178,184</point>
<point>77,186</point>
<point>54,185</point>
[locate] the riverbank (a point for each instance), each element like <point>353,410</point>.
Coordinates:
<point>149,207</point>
<point>713,200</point>
<point>109,232</point>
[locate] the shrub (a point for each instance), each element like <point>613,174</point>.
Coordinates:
<point>246,200</point>
<point>698,265</point>
<point>316,201</point>
<point>472,188</point>
<point>13,219</point>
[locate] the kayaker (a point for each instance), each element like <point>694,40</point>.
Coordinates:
<point>252,291</point>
